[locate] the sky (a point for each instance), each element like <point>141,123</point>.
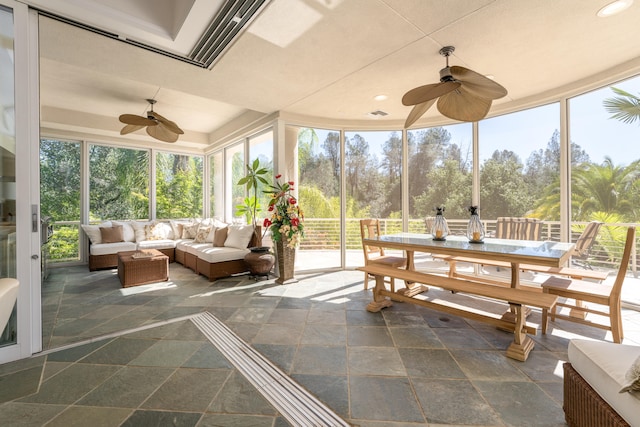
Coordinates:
<point>526,131</point>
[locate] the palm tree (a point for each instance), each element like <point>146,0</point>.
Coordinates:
<point>605,188</point>
<point>624,107</point>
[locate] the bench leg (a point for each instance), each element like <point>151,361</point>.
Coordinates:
<point>379,301</point>
<point>522,344</point>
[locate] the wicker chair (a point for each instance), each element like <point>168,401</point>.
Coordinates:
<point>370,229</point>
<point>597,293</point>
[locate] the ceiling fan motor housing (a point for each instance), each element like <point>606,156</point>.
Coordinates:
<point>445,75</point>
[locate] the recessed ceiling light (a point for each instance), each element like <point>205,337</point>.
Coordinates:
<point>614,8</point>
<point>380,97</point>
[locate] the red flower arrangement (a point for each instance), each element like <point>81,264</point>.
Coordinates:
<point>287,218</point>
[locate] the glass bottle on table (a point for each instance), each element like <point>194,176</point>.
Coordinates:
<point>440,229</point>
<point>475,229</point>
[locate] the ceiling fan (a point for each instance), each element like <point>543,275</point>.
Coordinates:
<point>157,126</point>
<point>462,94</point>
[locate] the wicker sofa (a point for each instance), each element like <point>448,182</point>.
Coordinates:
<point>593,378</point>
<point>190,243</point>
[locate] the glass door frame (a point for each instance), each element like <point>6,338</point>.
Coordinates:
<point>27,137</point>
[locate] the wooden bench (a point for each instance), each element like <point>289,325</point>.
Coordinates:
<point>517,298</point>
<point>574,273</point>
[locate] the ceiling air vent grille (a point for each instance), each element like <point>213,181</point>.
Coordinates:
<point>233,18</point>
<point>378,113</point>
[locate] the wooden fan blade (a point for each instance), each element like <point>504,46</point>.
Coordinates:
<point>172,126</point>
<point>425,93</point>
<point>162,133</point>
<point>132,119</point>
<point>130,128</point>
<point>478,84</point>
<point>417,112</point>
<point>464,106</point>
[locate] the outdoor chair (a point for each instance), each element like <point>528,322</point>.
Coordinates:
<point>370,228</point>
<point>516,228</point>
<point>597,293</point>
<point>585,242</point>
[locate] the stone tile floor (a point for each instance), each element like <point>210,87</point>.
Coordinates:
<point>130,357</point>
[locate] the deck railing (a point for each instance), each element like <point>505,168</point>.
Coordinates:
<point>324,234</point>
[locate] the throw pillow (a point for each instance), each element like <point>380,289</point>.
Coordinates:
<point>189,231</point>
<point>138,228</point>
<point>201,235</point>
<point>128,234</point>
<point>177,229</point>
<point>632,378</point>
<point>220,236</point>
<point>111,234</point>
<point>158,231</point>
<point>239,236</point>
<point>93,231</point>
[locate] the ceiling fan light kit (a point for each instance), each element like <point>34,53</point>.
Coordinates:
<point>462,94</point>
<point>157,126</point>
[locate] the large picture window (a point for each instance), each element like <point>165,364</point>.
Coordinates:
<point>179,191</point>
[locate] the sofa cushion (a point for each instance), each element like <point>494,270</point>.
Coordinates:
<point>606,374</point>
<point>195,247</point>
<point>213,254</point>
<point>93,231</point>
<point>111,234</point>
<point>111,248</point>
<point>157,244</point>
<point>138,228</point>
<point>239,236</point>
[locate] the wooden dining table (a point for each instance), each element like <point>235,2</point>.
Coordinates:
<point>515,252</point>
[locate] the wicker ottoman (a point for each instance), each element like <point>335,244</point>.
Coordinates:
<point>134,271</point>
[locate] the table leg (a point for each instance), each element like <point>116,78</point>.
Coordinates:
<point>379,301</point>
<point>412,288</point>
<point>522,344</point>
<point>576,312</point>
<point>510,316</point>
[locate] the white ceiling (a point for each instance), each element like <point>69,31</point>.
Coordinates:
<point>318,58</point>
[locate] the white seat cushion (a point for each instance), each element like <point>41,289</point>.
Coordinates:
<point>157,244</point>
<point>183,244</point>
<point>195,248</point>
<point>213,254</point>
<point>604,365</point>
<point>112,248</point>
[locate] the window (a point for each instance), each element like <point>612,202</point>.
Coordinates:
<point>60,196</point>
<point>373,172</point>
<point>520,165</point>
<point>261,148</point>
<point>234,170</point>
<point>179,190</point>
<point>319,194</point>
<point>118,183</point>
<point>216,184</point>
<point>440,166</point>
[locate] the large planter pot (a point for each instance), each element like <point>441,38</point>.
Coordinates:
<point>260,261</point>
<point>286,261</point>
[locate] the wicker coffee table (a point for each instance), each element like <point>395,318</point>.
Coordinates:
<point>134,271</point>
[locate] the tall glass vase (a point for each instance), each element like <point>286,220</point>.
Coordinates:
<point>286,261</point>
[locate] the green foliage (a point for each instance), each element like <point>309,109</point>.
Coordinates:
<point>179,184</point>
<point>255,176</point>
<point>624,107</point>
<point>63,244</point>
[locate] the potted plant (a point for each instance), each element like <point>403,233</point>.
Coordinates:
<point>254,176</point>
<point>286,225</point>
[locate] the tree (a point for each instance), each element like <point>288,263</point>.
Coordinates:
<point>503,190</point>
<point>605,188</point>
